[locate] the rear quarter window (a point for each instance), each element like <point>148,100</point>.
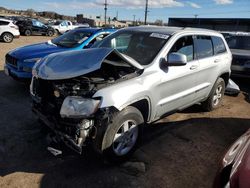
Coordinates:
<point>4,23</point>
<point>219,46</point>
<point>203,46</point>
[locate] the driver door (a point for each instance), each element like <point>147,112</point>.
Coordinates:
<point>178,83</point>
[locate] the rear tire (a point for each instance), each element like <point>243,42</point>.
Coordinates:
<point>27,32</point>
<point>118,139</point>
<point>50,33</point>
<point>7,37</point>
<point>215,98</point>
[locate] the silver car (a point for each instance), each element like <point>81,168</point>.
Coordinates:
<point>103,96</point>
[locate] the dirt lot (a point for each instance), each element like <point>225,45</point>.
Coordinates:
<point>182,150</point>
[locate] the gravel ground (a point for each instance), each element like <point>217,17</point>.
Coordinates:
<point>182,150</point>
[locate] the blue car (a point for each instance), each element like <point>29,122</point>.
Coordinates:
<point>19,62</point>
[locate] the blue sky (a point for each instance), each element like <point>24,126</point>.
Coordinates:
<point>158,9</point>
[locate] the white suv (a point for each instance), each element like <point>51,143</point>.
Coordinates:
<point>136,75</point>
<point>8,30</point>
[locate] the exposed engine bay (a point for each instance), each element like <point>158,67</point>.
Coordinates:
<point>49,95</point>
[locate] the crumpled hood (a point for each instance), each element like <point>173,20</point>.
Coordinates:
<point>35,50</point>
<point>70,64</point>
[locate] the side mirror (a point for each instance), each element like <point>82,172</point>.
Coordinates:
<point>176,59</point>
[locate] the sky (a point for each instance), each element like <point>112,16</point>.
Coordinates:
<point>130,9</point>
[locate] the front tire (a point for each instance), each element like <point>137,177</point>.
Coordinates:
<point>120,137</point>
<point>215,98</point>
<point>50,33</point>
<point>7,37</point>
<point>27,32</point>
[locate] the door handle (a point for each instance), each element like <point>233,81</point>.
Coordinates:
<point>216,60</point>
<point>193,67</point>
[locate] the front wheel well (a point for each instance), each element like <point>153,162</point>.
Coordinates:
<point>143,107</point>
<point>225,77</point>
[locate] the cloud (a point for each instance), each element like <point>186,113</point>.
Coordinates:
<point>223,2</point>
<point>129,4</point>
<point>194,5</point>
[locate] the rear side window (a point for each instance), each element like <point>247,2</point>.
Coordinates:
<point>4,23</point>
<point>184,46</point>
<point>219,46</point>
<point>203,46</point>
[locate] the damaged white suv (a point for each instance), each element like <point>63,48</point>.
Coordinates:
<point>102,96</point>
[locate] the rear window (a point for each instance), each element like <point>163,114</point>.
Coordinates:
<point>239,42</point>
<point>203,46</point>
<point>4,23</point>
<point>219,46</point>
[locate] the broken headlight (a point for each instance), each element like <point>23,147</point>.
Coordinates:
<point>77,107</point>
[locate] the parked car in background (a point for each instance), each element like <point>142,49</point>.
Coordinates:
<point>239,43</point>
<point>34,27</point>
<point>103,95</point>
<point>234,171</point>
<point>65,26</point>
<point>8,30</point>
<point>19,62</point>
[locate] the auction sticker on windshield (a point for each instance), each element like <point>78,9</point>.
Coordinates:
<point>158,35</point>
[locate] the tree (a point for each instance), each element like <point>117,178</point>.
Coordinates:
<point>158,22</point>
<point>30,12</point>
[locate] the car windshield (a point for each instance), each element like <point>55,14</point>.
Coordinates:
<point>72,38</point>
<point>57,23</point>
<point>141,46</point>
<point>239,42</point>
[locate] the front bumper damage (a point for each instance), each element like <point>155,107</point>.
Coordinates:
<point>74,142</point>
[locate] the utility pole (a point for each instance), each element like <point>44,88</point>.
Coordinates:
<point>105,12</point>
<point>146,13</point>
<point>116,15</point>
<point>134,19</point>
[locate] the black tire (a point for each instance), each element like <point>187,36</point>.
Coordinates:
<point>7,37</point>
<point>216,95</point>
<point>50,33</point>
<point>126,142</point>
<point>27,32</point>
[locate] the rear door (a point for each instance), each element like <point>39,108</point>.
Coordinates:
<point>208,65</point>
<point>4,26</point>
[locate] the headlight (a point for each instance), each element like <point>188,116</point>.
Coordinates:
<point>77,107</point>
<point>33,60</point>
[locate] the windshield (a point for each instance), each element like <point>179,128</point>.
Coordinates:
<point>239,42</point>
<point>57,23</point>
<point>141,46</point>
<point>72,38</point>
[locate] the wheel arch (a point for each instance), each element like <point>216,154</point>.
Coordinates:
<point>143,105</point>
<point>6,32</point>
<point>225,76</point>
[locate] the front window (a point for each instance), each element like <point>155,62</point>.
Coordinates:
<point>37,23</point>
<point>239,42</point>
<point>184,46</point>
<point>72,38</point>
<point>141,46</point>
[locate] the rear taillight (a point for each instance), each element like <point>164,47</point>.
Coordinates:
<point>14,27</point>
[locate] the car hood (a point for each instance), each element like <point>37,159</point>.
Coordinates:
<point>35,50</point>
<point>242,53</point>
<point>65,65</point>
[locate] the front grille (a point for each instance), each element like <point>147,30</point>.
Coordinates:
<point>11,60</point>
